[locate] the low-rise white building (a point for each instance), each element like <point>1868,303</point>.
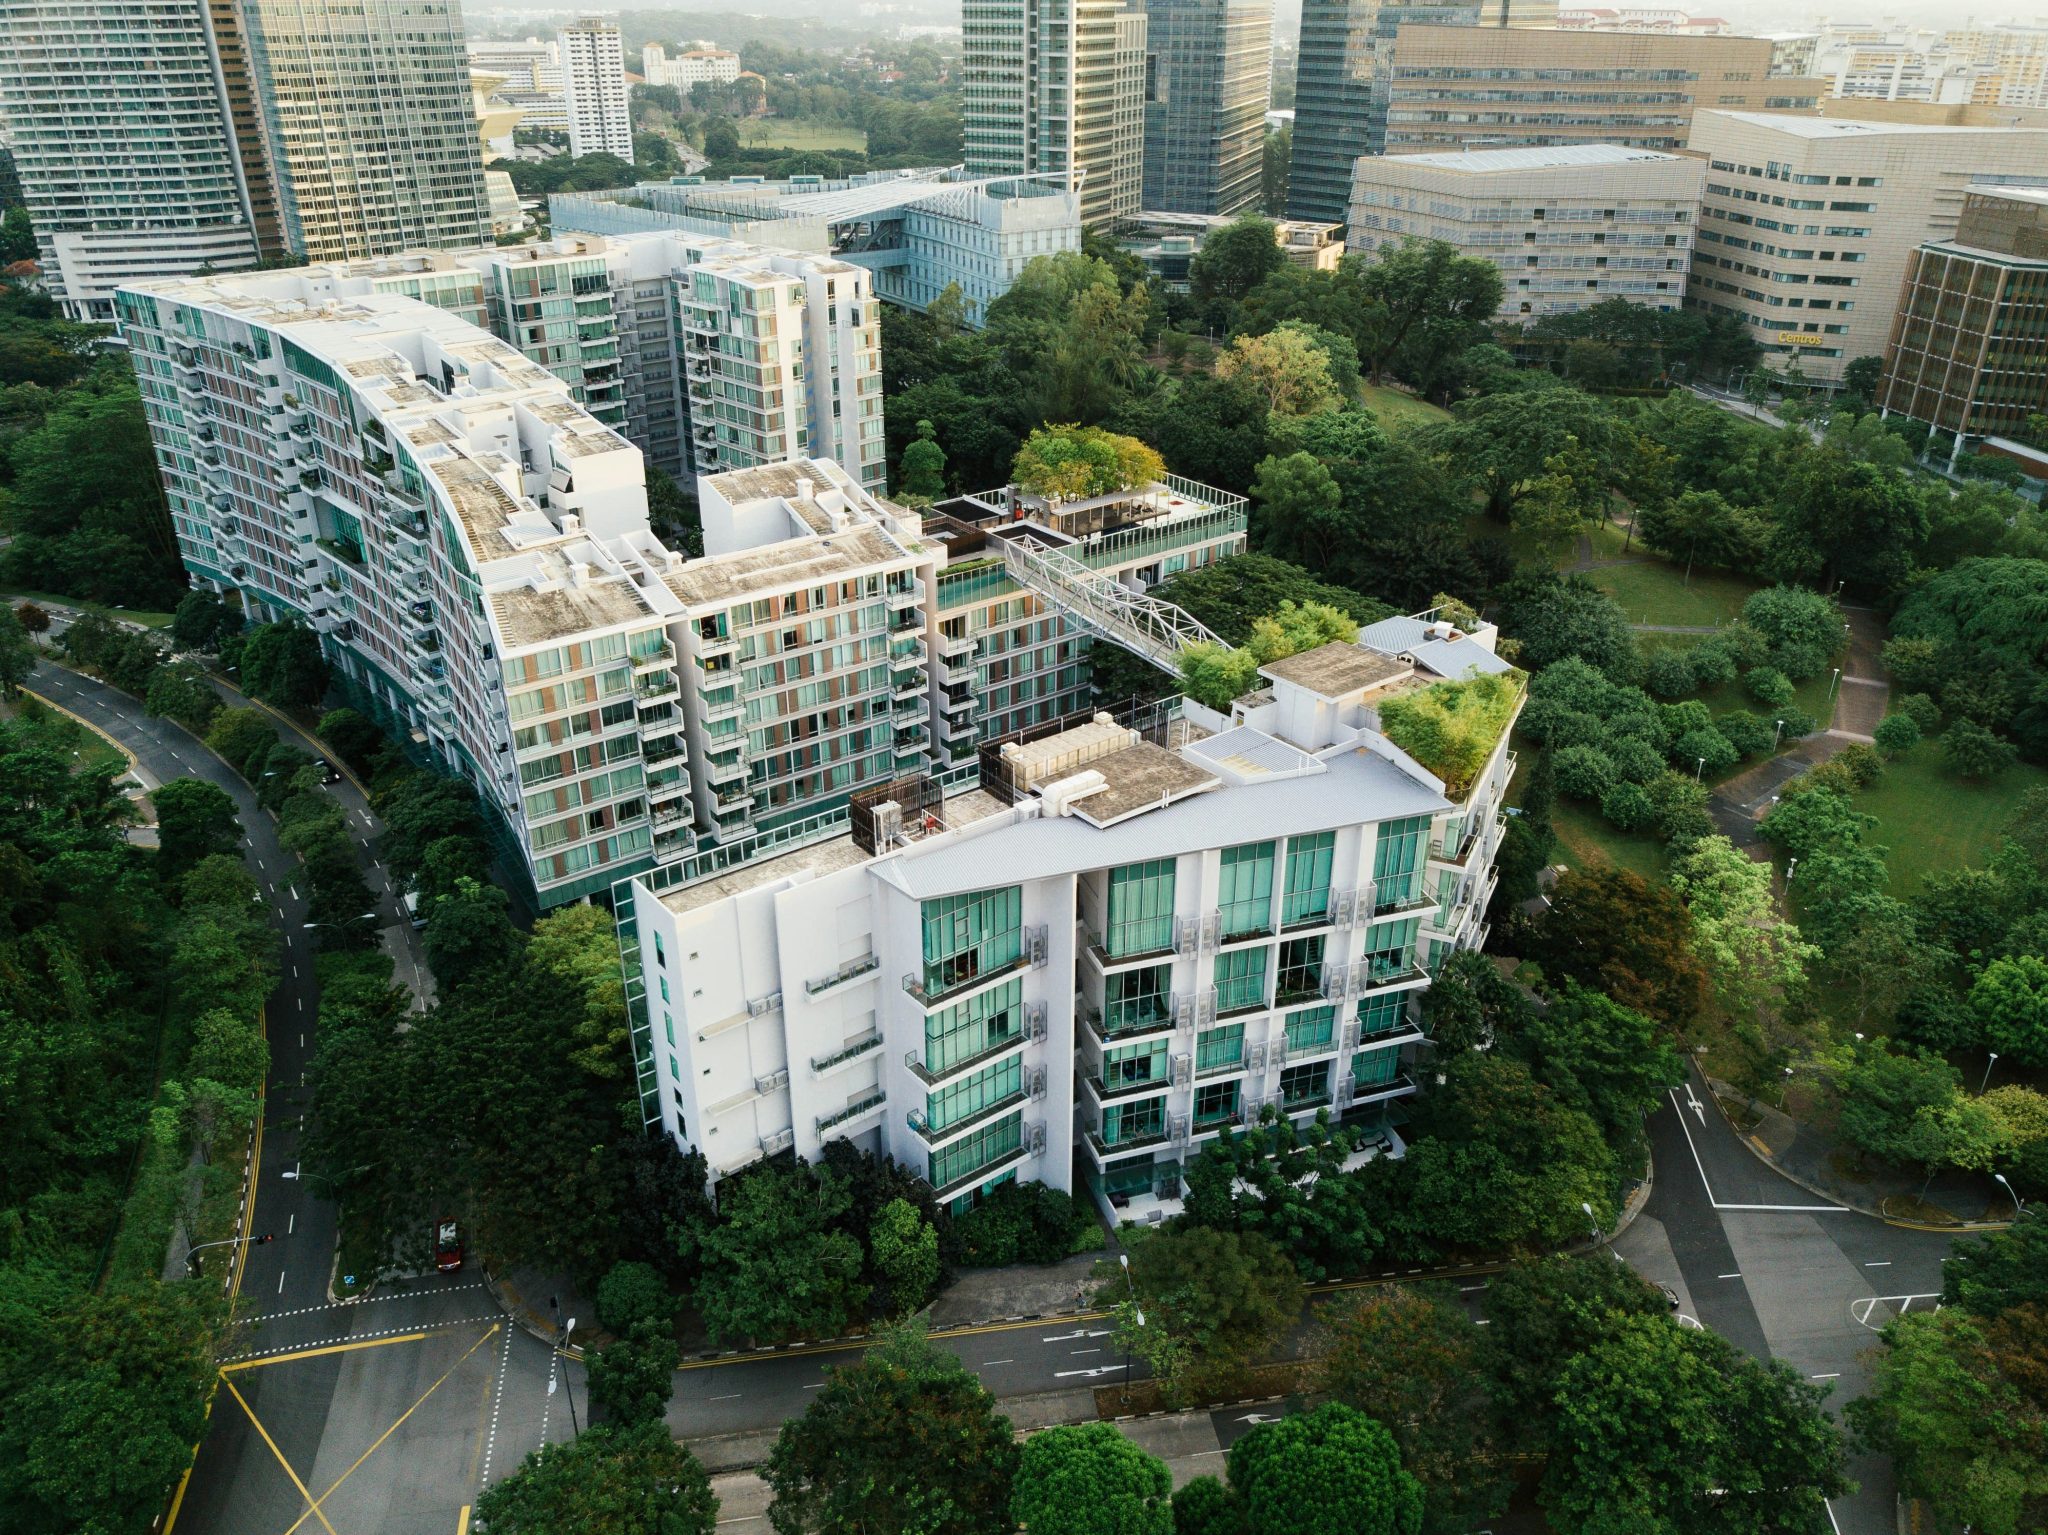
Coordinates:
<point>1120,938</point>
<point>1568,226</point>
<point>691,67</point>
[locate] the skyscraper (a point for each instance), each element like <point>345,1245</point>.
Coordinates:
<point>1208,79</point>
<point>125,142</point>
<point>1341,76</point>
<point>1057,86</point>
<point>369,127</point>
<point>594,89</point>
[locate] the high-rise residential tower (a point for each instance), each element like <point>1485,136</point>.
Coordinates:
<point>594,89</point>
<point>1057,86</point>
<point>124,119</point>
<point>1208,79</point>
<point>369,125</point>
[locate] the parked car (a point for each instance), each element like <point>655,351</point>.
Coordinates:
<point>448,1247</point>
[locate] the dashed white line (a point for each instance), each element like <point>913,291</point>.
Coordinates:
<point>988,1362</point>
<point>1073,1351</point>
<point>1731,1276</point>
<point>1882,1263</point>
<point>497,1406</point>
<point>819,1387</point>
<point>289,1222</point>
<point>358,1337</point>
<point>1831,1375</point>
<point>733,1398</point>
<point>367,1300</point>
<point>280,1281</point>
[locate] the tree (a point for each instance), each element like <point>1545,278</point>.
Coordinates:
<point>1214,1302</point>
<point>282,664</point>
<point>609,1480</point>
<point>1755,960</point>
<point>1234,259</point>
<point>1287,1183</point>
<point>2010,1000</point>
<point>1502,445</point>
<point>1888,1097</point>
<point>1435,302</point>
<point>904,1441</point>
<point>238,736</point>
<point>355,739</point>
<point>923,465</point>
<point>202,620</point>
<point>1322,1472</point>
<point>33,619</point>
<point>194,819</point>
<point>1986,1275</point>
<point>1802,628</point>
<point>1613,930</point>
<point>632,1378</point>
<point>1075,462</point>
<point>1842,519</point>
<point>632,1292</point>
<point>1602,1059</point>
<point>181,691</point>
<point>1662,1429</point>
<point>1205,1506</point>
<point>1544,1313</point>
<point>1088,1479</point>
<point>469,934</point>
<point>1290,372</point>
<point>1554,616</point>
<point>17,652</point>
<point>1415,1362</point>
<point>773,1266</point>
<point>1300,508</point>
<point>1971,751</point>
<point>1214,431</point>
<point>905,1249</point>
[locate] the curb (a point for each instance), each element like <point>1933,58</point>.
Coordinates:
<point>325,751</point>
<point>1756,1149</point>
<point>134,763</point>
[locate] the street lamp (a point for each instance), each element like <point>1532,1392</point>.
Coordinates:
<point>1592,1219</point>
<point>192,1253</point>
<point>342,926</point>
<point>1138,1311</point>
<point>561,1344</point>
<point>1699,770</point>
<point>1836,683</point>
<point>1987,1072</point>
<point>2019,1205</point>
<point>1777,736</point>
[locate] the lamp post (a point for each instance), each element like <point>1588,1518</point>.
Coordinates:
<point>2019,1205</point>
<point>1130,1289</point>
<point>342,926</point>
<point>192,1253</point>
<point>561,1344</point>
<point>1987,1072</point>
<point>1777,735</point>
<point>1591,1219</point>
<point>1836,683</point>
<point>1699,770</point>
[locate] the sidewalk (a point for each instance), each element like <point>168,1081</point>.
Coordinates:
<point>1953,1201</point>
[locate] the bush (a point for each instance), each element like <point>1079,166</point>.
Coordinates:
<point>631,1293</point>
<point>1684,717</point>
<point>1670,673</point>
<point>1024,1223</point>
<point>1830,774</point>
<point>1749,734</point>
<point>1635,761</point>
<point>1922,711</point>
<point>1802,628</point>
<point>1583,772</point>
<point>1972,751</point>
<point>1704,751</point>
<point>1897,733</point>
<point>1862,763</point>
<point>1627,807</point>
<point>1680,806</point>
<point>1713,661</point>
<point>1768,686</point>
<point>1452,728</point>
<point>1797,723</point>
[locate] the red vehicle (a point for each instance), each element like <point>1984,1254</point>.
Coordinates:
<point>448,1247</point>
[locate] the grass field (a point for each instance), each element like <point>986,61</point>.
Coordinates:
<point>1398,409</point>
<point>1930,819</point>
<point>1655,591</point>
<point>777,133</point>
<point>59,733</point>
<point>13,597</point>
<point>1585,840</point>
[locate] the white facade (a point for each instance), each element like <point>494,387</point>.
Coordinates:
<point>1080,971</point>
<point>693,66</point>
<point>1567,227</point>
<point>120,127</point>
<point>594,89</point>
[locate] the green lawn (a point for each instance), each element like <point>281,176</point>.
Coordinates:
<point>1398,409</point>
<point>1586,840</point>
<point>780,133</point>
<point>1655,591</point>
<point>46,599</point>
<point>84,748</point>
<point>1930,819</point>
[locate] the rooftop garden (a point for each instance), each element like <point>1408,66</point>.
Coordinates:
<point>1073,463</point>
<point>1453,727</point>
<point>1216,675</point>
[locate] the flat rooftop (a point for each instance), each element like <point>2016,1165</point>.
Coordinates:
<point>1479,162</point>
<point>722,578</point>
<point>1839,128</point>
<point>1337,669</point>
<point>1141,777</point>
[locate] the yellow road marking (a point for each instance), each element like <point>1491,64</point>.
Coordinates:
<point>462,1521</point>
<point>310,1353</point>
<point>314,1510</point>
<point>311,1507</point>
<point>255,1167</point>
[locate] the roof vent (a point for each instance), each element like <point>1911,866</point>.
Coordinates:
<point>571,523</point>
<point>579,573</point>
<point>804,487</point>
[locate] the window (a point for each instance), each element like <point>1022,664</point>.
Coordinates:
<point>1247,890</point>
<point>1397,861</point>
<point>1125,1124</point>
<point>1308,877</point>
<point>1301,969</point>
<point>1301,1086</point>
<point>970,936</point>
<point>1140,909</point>
<point>1220,1048</point>
<point>1134,1065</point>
<point>1393,949</point>
<point>1215,1104</point>
<point>1313,1028</point>
<point>1136,999</point>
<point>1376,1068</point>
<point>975,1094</point>
<point>971,1153</point>
<point>1385,1014</point>
<point>1240,980</point>
<point>955,1035</point>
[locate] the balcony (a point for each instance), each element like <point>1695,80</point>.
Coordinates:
<point>987,1170</point>
<point>902,598</point>
<point>1151,1136</point>
<point>1374,974</point>
<point>852,1050</point>
<point>921,1127</point>
<point>662,748</point>
<point>1030,1034</point>
<point>658,685</point>
<point>1133,1022</point>
<point>852,970</point>
<point>719,769</point>
<point>913,982</point>
<point>1105,1091</point>
<point>663,654</point>
<point>907,654</point>
<point>711,646</point>
<point>873,1102</point>
<point>1398,1086</point>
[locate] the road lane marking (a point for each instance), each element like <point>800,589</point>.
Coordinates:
<point>733,1398</point>
<point>1073,1351</point>
<point>1831,1375</point>
<point>1100,1369</point>
<point>987,1363</point>
<point>311,1507</point>
<point>379,1444</point>
<point>462,1521</point>
<point>1706,1184</point>
<point>1883,1263</point>
<point>1730,1276</point>
<point>497,1406</point>
<point>280,1281</point>
<point>819,1387</point>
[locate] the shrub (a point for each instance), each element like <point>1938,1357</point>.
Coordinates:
<point>1797,723</point>
<point>1704,751</point>
<point>631,1293</point>
<point>1452,728</point>
<point>1712,661</point>
<point>1670,673</point>
<point>1627,807</point>
<point>1802,628</point>
<point>1583,772</point>
<point>1687,716</point>
<point>1635,761</point>
<point>1768,686</point>
<point>1024,1223</point>
<point>1680,806</point>
<point>1972,751</point>
<point>1830,774</point>
<point>1897,733</point>
<point>1749,734</point>
<point>1862,762</point>
<point>1922,711</point>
